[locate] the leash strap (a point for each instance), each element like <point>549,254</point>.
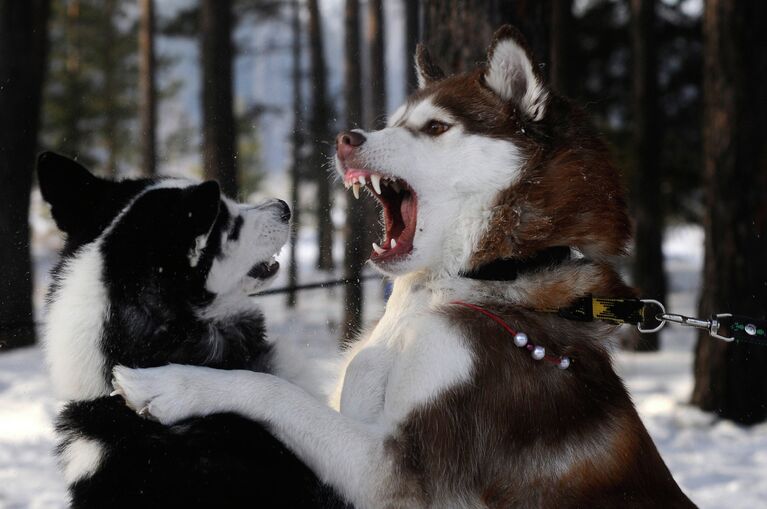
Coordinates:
<point>649,315</point>
<point>617,311</point>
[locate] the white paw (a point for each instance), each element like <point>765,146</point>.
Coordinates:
<point>168,393</point>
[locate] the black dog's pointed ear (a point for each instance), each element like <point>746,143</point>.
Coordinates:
<point>425,69</point>
<point>69,189</point>
<point>202,206</point>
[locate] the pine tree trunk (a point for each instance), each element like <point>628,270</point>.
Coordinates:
<point>412,38</point>
<point>23,49</point>
<point>648,274</point>
<point>458,32</point>
<point>219,131</point>
<point>72,137</point>
<point>109,94</point>
<point>356,246</point>
<point>561,42</point>
<point>376,43</point>
<point>320,134</point>
<point>295,170</point>
<point>730,378</point>
<point>147,88</point>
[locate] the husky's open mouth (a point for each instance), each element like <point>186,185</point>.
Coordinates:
<point>400,208</point>
<point>264,270</point>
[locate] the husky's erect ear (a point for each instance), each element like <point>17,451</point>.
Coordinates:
<point>69,189</point>
<point>425,69</point>
<point>202,204</point>
<point>512,74</point>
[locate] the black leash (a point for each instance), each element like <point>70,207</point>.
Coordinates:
<point>647,315</point>
<point>315,286</point>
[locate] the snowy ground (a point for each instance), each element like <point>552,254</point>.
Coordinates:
<point>717,463</point>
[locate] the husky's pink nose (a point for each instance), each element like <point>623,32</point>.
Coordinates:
<point>346,142</point>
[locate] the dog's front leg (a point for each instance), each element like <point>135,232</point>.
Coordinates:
<point>344,453</point>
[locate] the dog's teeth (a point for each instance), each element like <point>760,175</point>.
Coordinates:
<point>356,190</point>
<point>361,180</point>
<point>396,186</point>
<point>378,249</point>
<point>376,181</point>
<point>393,243</point>
<point>347,184</point>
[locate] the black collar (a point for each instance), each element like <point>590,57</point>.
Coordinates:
<point>509,269</point>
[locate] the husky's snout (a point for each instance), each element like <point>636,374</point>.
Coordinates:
<point>347,143</point>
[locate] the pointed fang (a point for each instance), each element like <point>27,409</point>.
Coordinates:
<point>376,181</point>
<point>356,190</point>
<point>378,249</point>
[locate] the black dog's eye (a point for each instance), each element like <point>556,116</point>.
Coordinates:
<point>435,127</point>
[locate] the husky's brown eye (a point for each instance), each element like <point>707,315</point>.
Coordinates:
<point>435,127</point>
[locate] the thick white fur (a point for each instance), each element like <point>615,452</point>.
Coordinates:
<point>456,177</point>
<point>79,306</point>
<point>510,72</point>
<point>261,236</point>
<point>411,357</point>
<point>80,459</point>
<point>74,326</point>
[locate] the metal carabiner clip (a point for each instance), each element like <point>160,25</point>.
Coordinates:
<point>657,316</point>
<point>712,325</point>
<point>716,323</point>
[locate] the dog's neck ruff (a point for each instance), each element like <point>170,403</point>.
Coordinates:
<point>509,269</point>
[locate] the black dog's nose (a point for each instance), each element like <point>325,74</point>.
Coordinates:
<point>285,212</point>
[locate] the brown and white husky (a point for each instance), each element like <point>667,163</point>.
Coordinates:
<point>499,199</point>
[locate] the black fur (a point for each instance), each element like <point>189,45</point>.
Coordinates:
<point>154,293</point>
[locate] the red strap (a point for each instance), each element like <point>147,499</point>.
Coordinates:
<point>497,319</point>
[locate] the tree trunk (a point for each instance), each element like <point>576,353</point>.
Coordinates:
<point>356,246</point>
<point>412,37</point>
<point>377,45</point>
<point>730,377</point>
<point>219,134</point>
<point>321,136</point>
<point>147,88</point>
<point>561,41</point>
<point>108,90</point>
<point>458,32</point>
<point>72,136</point>
<point>23,49</point>
<point>297,145</point>
<point>648,275</point>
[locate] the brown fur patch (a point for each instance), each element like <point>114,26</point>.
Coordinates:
<point>526,434</point>
<point>569,193</point>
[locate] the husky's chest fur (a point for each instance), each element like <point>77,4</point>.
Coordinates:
<point>410,357</point>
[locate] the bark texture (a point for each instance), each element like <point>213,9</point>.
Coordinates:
<point>297,145</point>
<point>730,378</point>
<point>356,245</point>
<point>458,32</point>
<point>147,88</point>
<point>23,49</point>
<point>646,203</point>
<point>319,126</point>
<point>219,133</point>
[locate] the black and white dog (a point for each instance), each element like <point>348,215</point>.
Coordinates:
<point>157,271</point>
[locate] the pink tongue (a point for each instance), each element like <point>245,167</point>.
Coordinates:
<point>406,210</point>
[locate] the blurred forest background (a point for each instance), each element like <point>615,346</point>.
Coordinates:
<point>251,93</point>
